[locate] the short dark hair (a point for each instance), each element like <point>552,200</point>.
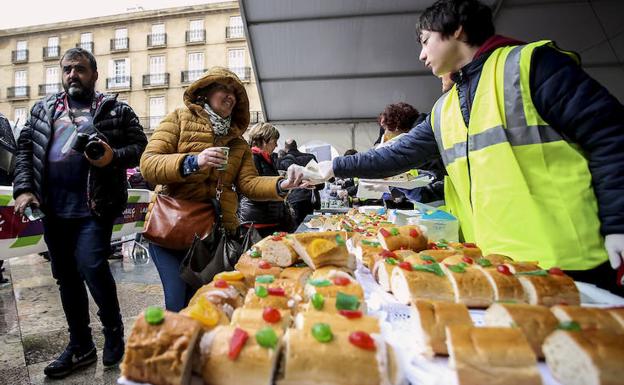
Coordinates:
<point>290,144</point>
<point>73,53</point>
<point>445,16</point>
<point>351,151</point>
<point>399,116</point>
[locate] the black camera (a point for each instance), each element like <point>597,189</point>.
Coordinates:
<point>89,144</point>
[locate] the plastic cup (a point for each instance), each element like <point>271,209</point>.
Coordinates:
<point>226,151</point>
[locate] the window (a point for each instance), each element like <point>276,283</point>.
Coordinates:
<point>119,72</point>
<point>121,39</point>
<point>157,70</point>
<point>86,41</point>
<point>21,50</point>
<point>196,31</point>
<point>19,116</point>
<point>236,62</point>
<point>21,82</point>
<point>156,111</point>
<point>53,46</point>
<point>158,34</point>
<point>52,80</point>
<point>236,27</point>
<point>195,65</point>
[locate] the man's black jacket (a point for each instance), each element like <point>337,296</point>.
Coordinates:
<point>107,186</point>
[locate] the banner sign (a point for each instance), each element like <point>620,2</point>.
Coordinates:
<point>19,236</point>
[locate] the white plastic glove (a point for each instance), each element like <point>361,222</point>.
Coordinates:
<point>313,173</point>
<point>614,243</point>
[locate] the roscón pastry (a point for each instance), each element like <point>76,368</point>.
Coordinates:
<point>493,356</point>
<point>323,249</point>
<point>411,282</point>
<point>588,318</point>
<point>591,357</point>
<point>160,347</point>
<point>431,319</point>
<point>536,322</point>
<point>277,250</point>
<point>402,237</point>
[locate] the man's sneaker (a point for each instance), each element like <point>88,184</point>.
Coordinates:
<point>113,346</point>
<point>71,359</point>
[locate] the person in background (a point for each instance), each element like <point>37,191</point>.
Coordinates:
<point>7,150</point>
<point>80,195</point>
<point>538,180</point>
<point>183,157</point>
<point>349,185</point>
<point>303,201</point>
<point>268,217</point>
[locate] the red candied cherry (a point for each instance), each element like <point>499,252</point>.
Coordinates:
<point>432,246</point>
<point>341,281</point>
<point>468,260</point>
<point>405,266</point>
<point>414,233</point>
<point>470,245</point>
<point>555,271</point>
<point>387,254</point>
<point>264,265</point>
<point>350,314</point>
<point>221,284</point>
<point>384,233</point>
<point>503,269</point>
<point>362,340</point>
<point>277,291</point>
<point>271,315</point>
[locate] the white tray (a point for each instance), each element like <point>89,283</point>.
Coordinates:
<point>420,181</point>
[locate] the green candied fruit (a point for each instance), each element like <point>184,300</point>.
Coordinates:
<point>366,242</point>
<point>319,282</point>
<point>322,332</point>
<point>154,315</point>
<point>318,301</point>
<point>255,253</point>
<point>347,302</point>
<point>484,262</point>
<point>433,268</point>
<point>267,278</point>
<point>394,231</point>
<point>340,240</point>
<point>266,337</point>
<point>457,268</point>
<point>572,326</point>
<point>391,261</point>
<point>427,258</point>
<point>261,291</point>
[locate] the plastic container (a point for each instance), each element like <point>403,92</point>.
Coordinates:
<point>439,225</point>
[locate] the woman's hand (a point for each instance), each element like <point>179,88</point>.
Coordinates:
<point>211,157</point>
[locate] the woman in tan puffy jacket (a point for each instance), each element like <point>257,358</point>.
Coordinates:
<point>183,156</point>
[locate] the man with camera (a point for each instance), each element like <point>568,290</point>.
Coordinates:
<point>70,169</point>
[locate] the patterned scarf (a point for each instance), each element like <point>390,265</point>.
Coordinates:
<point>220,126</point>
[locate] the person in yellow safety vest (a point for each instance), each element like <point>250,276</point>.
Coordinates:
<point>531,143</point>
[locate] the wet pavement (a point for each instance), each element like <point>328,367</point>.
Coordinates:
<point>33,330</point>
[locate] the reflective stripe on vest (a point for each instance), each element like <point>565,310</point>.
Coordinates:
<point>516,185</point>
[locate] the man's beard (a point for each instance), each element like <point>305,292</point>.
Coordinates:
<point>78,91</point>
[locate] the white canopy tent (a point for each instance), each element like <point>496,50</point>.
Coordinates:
<point>326,68</point>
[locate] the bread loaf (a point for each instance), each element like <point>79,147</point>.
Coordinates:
<point>588,318</point>
<point>323,248</point>
<point>431,319</point>
<point>408,286</point>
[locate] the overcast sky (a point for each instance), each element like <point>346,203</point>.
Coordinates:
<point>22,13</point>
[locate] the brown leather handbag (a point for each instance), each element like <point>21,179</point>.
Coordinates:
<point>173,223</point>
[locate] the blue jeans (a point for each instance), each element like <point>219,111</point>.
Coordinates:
<point>79,250</point>
<point>167,261</point>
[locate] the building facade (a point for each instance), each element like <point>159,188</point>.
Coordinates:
<point>148,58</point>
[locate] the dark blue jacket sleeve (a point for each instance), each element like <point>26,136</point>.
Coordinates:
<point>587,114</point>
<point>410,151</point>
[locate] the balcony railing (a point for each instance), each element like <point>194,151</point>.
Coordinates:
<point>119,45</point>
<point>19,92</point>
<point>243,73</point>
<point>50,88</point>
<point>51,52</point>
<point>196,36</point>
<point>234,32</point>
<point>86,45</point>
<point>191,76</point>
<point>19,56</point>
<point>255,117</point>
<point>156,40</point>
<point>156,80</point>
<point>119,82</point>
